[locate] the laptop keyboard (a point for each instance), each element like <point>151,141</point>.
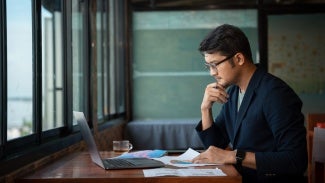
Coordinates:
<point>115,163</point>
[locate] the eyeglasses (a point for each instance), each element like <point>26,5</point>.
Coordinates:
<point>215,65</point>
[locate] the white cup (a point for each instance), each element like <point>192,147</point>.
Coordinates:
<point>122,146</point>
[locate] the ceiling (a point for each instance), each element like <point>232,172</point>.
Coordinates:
<point>168,4</point>
<point>186,3</point>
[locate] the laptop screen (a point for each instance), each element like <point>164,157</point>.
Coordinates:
<point>88,137</point>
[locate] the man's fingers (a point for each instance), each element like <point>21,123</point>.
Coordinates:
<point>219,95</point>
<point>200,159</point>
<point>215,92</point>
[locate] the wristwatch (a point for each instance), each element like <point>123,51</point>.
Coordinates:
<point>240,156</point>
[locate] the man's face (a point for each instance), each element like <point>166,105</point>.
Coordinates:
<point>220,67</point>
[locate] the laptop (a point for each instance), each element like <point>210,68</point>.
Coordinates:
<point>110,163</point>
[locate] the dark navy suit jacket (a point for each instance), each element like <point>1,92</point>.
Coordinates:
<point>269,123</point>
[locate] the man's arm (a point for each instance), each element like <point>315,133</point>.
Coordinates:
<point>214,92</point>
<point>220,156</point>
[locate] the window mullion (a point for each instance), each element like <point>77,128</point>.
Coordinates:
<point>37,69</point>
<point>3,77</point>
<point>68,94</point>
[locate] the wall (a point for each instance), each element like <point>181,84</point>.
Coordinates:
<point>169,76</point>
<point>297,55</point>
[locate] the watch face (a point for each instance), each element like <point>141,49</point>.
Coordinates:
<point>240,155</point>
<point>238,158</point>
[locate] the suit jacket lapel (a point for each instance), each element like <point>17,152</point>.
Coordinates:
<point>248,97</point>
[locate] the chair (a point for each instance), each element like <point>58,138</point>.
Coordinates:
<point>312,120</point>
<point>319,155</point>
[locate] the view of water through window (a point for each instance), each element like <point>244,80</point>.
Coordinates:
<point>19,55</point>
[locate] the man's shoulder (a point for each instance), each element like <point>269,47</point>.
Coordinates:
<point>271,80</point>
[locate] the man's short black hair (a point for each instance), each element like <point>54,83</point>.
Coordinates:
<point>227,40</point>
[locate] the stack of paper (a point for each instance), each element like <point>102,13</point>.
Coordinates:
<point>184,160</point>
<point>182,172</point>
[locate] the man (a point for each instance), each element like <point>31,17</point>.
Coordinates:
<point>260,120</point>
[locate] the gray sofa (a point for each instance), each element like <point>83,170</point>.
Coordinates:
<point>167,134</point>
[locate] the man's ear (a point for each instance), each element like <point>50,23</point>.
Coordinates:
<point>239,58</point>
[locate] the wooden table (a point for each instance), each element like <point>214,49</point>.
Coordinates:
<point>78,167</point>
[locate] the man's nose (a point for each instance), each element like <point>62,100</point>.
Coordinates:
<point>213,72</point>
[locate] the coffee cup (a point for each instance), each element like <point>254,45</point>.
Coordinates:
<point>122,146</point>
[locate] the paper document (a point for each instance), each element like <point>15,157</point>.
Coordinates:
<point>157,172</point>
<point>183,160</point>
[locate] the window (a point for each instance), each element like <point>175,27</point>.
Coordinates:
<point>52,65</point>
<point>50,52</point>
<point>19,69</point>
<point>79,56</point>
<point>100,47</point>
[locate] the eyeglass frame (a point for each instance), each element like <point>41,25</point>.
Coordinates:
<point>214,65</point>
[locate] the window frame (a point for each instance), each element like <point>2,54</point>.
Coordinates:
<point>18,152</point>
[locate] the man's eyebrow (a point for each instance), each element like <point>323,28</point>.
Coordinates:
<point>213,61</point>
